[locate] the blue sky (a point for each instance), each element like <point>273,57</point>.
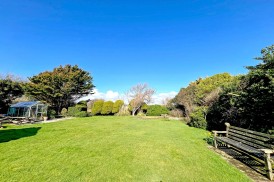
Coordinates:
<point>165,43</point>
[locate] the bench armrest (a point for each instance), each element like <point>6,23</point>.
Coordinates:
<point>267,151</point>
<point>218,132</point>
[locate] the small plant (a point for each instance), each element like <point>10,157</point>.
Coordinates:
<point>209,138</point>
<point>64,112</point>
<point>51,114</point>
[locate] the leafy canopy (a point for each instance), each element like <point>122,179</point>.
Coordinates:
<point>10,89</point>
<point>60,87</point>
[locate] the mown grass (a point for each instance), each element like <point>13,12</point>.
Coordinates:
<point>110,149</point>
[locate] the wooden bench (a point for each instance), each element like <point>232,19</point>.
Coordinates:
<point>260,145</point>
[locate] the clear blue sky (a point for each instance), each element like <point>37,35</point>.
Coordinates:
<point>165,43</point>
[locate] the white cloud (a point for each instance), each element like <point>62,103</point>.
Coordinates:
<point>109,95</point>
<point>161,97</point>
<point>113,96</point>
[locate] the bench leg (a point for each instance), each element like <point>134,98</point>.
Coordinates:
<point>215,143</point>
<point>268,166</point>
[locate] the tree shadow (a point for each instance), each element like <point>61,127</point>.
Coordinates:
<point>15,134</point>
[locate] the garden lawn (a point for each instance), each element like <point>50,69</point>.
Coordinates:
<point>110,149</point>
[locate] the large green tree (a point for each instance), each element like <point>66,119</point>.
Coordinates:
<point>201,93</point>
<point>10,89</point>
<point>60,87</point>
<point>249,102</point>
<point>256,101</point>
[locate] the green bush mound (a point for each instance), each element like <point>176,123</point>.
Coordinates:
<point>156,110</point>
<point>117,106</point>
<point>197,119</point>
<point>76,112</point>
<point>97,107</point>
<point>107,108</point>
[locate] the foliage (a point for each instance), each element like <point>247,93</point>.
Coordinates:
<point>256,100</point>
<point>197,118</point>
<point>226,109</point>
<point>207,85</point>
<point>202,92</point>
<point>129,147</point>
<point>64,112</point>
<point>60,87</point>
<point>124,111</point>
<point>117,106</point>
<point>107,108</point>
<point>184,100</point>
<point>176,113</point>
<point>97,107</point>
<point>250,102</point>
<point>90,105</point>
<point>144,108</point>
<point>156,110</point>
<point>10,89</point>
<point>51,113</point>
<point>76,112</point>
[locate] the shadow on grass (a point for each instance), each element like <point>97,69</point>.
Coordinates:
<point>15,134</point>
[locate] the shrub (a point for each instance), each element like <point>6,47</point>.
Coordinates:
<point>107,108</point>
<point>144,108</point>
<point>82,105</point>
<point>141,113</point>
<point>81,114</point>
<point>176,113</point>
<point>117,106</point>
<point>97,107</point>
<point>90,105</point>
<point>197,119</point>
<point>51,113</point>
<point>156,110</point>
<point>124,111</point>
<point>64,112</point>
<point>76,112</point>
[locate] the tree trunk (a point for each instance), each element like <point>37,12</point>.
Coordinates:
<point>133,112</point>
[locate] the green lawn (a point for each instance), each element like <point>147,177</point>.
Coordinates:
<point>110,149</point>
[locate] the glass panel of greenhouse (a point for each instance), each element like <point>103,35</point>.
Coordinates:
<point>31,110</point>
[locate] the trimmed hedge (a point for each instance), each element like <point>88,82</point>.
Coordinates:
<point>97,107</point>
<point>107,108</point>
<point>117,106</point>
<point>156,110</point>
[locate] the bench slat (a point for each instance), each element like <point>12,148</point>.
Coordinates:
<point>251,132</point>
<point>248,141</point>
<point>263,139</point>
<point>240,145</point>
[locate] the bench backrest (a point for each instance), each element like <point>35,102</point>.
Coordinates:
<point>252,138</point>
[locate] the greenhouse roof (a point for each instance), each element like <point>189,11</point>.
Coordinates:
<point>25,104</point>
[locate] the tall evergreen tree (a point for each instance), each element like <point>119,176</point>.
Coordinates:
<point>60,87</point>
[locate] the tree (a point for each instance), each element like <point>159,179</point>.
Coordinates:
<point>138,95</point>
<point>97,107</point>
<point>256,101</point>
<point>249,102</point>
<point>107,108</point>
<point>10,89</point>
<point>60,87</point>
<point>117,106</point>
